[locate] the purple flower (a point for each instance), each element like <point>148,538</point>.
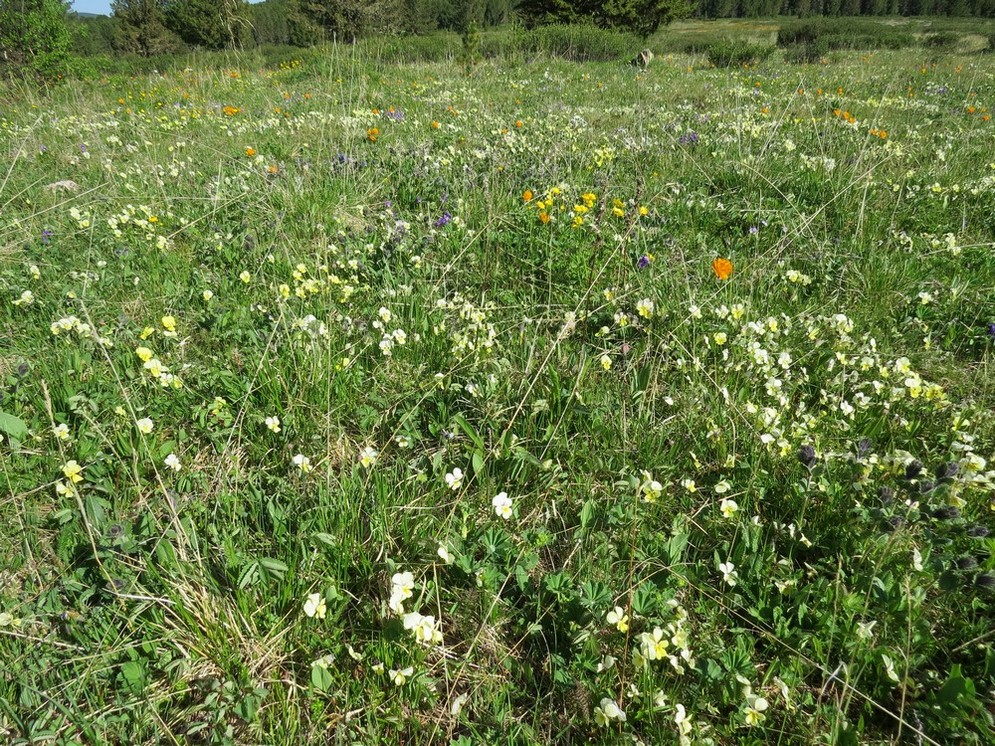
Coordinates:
<point>754,230</point>
<point>644,262</point>
<point>991,330</point>
<point>46,236</point>
<point>397,115</point>
<point>691,138</point>
<point>443,220</point>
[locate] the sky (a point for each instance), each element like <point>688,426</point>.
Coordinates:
<point>98,6</point>
<point>92,6</point>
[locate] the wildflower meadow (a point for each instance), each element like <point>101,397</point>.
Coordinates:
<point>519,402</point>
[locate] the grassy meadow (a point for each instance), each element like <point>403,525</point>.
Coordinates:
<point>502,401</point>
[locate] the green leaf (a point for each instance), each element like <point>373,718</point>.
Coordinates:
<point>644,600</point>
<point>587,513</point>
<point>134,677</point>
<point>470,432</point>
<point>321,678</point>
<point>272,568</point>
<point>14,428</point>
<point>327,539</point>
<point>955,687</point>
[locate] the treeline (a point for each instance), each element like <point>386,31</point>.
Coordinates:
<point>44,38</point>
<point>154,27</point>
<point>836,8</point>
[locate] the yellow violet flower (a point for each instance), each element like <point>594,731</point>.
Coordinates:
<point>73,472</point>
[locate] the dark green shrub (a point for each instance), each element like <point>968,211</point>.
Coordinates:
<point>583,43</point>
<point>733,53</point>
<point>844,33</point>
<point>943,40</point>
<point>433,48</point>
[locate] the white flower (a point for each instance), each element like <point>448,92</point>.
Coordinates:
<point>645,308</point>
<point>302,462</point>
<point>245,277</point>
<point>754,713</point>
<point>502,505</point>
<point>728,508</point>
<point>402,586</point>
<point>683,720</point>
<point>61,431</point>
<point>425,628</point>
<point>455,479</point>
<point>650,488</point>
<point>728,570</point>
<point>145,425</point>
<point>26,299</point>
<point>207,295</point>
<point>865,630</point>
<point>314,606</point>
<point>607,663</point>
<point>653,645</point>
<point>722,487</point>
<point>607,711</point>
<point>368,457</point>
<point>618,618</point>
<point>444,554</point>
<point>399,676</point>
<point>273,423</point>
<point>173,462</point>
<point>889,668</point>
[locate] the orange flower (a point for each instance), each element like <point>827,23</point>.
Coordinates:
<point>250,152</point>
<point>722,268</point>
<point>543,217</point>
<point>518,123</point>
<point>436,125</point>
<point>527,195</point>
<point>372,134</point>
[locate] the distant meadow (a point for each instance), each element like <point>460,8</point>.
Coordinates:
<point>496,390</point>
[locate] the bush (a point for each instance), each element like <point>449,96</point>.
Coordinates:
<point>827,34</point>
<point>583,43</point>
<point>434,48</point>
<point>577,43</point>
<point>733,53</point>
<point>810,52</point>
<point>944,40</point>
